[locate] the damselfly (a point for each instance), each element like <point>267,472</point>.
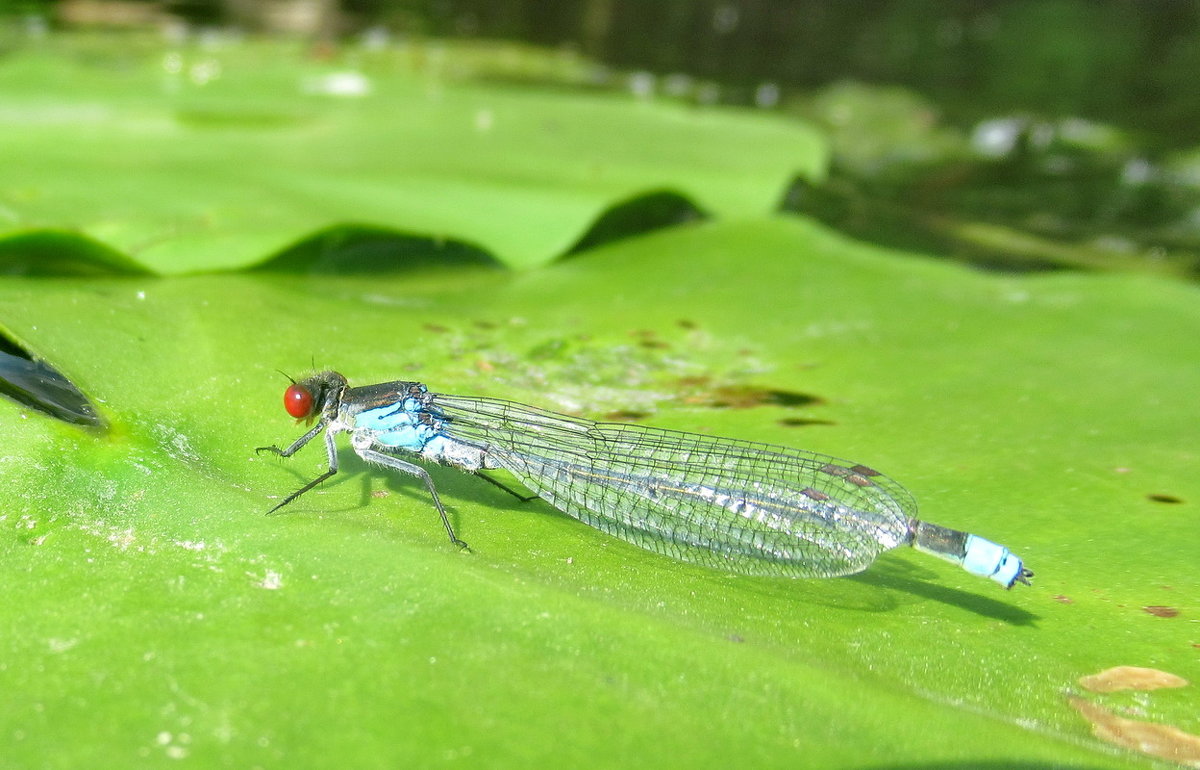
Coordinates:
<point>739,506</point>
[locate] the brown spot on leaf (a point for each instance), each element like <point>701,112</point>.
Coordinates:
<point>1130,678</point>
<point>1161,611</point>
<point>1162,741</point>
<point>626,415</point>
<point>745,397</point>
<point>800,422</point>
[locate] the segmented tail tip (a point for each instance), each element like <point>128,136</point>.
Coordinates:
<point>1022,577</point>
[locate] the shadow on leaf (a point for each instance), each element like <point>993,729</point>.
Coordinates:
<point>361,249</point>
<point>638,215</point>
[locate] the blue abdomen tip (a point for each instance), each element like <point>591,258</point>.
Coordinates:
<point>993,561</point>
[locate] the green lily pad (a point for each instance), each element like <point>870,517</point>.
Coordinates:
<point>163,615</point>
<point>157,613</point>
<point>209,157</point>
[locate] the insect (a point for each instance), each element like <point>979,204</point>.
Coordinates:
<point>739,506</point>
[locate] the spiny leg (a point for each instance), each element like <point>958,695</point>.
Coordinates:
<point>330,449</point>
<point>372,456</point>
<point>297,444</point>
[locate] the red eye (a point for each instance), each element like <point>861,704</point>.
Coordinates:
<point>298,401</point>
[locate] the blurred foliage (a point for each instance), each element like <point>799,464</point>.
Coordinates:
<point>1017,192</point>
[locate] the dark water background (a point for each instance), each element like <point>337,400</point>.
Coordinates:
<point>1131,62</point>
<point>1066,131</point>
<point>1067,128</point>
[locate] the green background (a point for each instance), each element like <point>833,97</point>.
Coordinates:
<point>153,613</point>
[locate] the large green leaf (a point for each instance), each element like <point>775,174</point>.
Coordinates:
<point>195,158</point>
<point>155,612</point>
<point>160,612</point>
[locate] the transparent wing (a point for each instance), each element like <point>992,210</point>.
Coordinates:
<point>737,505</point>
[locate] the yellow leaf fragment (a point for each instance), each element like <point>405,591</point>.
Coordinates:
<point>1161,741</point>
<point>1130,678</point>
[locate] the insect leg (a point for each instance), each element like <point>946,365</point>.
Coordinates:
<point>297,444</point>
<point>372,456</point>
<point>331,451</point>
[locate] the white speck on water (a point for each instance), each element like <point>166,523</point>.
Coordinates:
<point>725,19</point>
<point>641,84</point>
<point>767,95</point>
<point>375,38</point>
<point>998,137</point>
<point>708,93</point>
<point>343,84</point>
<point>677,85</point>
<point>1138,171</point>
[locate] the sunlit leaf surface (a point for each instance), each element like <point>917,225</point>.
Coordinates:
<point>155,612</point>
